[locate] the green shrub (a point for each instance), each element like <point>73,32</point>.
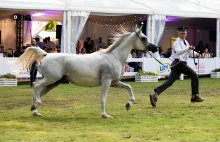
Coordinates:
<point>141,73</point>
<point>216,70</point>
<point>8,75</point>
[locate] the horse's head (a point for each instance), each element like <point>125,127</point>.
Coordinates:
<point>142,43</point>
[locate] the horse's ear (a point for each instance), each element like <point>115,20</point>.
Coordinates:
<point>138,30</point>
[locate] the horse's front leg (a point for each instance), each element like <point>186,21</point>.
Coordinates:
<point>105,86</point>
<point>129,88</point>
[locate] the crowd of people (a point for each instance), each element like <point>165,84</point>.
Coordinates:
<point>90,46</point>
<point>47,45</point>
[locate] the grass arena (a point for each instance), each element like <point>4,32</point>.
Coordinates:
<point>72,113</point>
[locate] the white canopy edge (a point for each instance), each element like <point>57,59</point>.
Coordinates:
<point>33,4</point>
<point>179,8</point>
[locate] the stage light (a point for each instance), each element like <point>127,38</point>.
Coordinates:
<point>16,17</point>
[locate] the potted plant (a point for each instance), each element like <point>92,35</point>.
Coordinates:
<point>143,76</point>
<point>215,73</point>
<point>8,80</point>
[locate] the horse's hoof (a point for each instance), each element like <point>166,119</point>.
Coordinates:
<point>107,116</point>
<point>128,106</point>
<point>35,113</point>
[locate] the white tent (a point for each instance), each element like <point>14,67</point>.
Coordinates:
<point>181,8</point>
<point>34,4</point>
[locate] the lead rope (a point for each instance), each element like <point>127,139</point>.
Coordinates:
<point>148,50</point>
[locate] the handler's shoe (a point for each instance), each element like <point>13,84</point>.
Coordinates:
<point>153,99</point>
<point>196,98</point>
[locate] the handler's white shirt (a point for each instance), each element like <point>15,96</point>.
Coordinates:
<point>181,51</point>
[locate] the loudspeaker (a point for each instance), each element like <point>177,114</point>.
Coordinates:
<point>27,17</point>
<point>144,28</point>
<point>58,31</point>
<point>212,36</point>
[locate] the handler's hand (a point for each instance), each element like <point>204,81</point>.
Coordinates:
<point>192,47</point>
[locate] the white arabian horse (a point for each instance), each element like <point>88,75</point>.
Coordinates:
<point>102,68</point>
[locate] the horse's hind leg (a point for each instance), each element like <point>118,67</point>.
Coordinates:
<point>40,90</point>
<point>105,86</point>
<point>129,88</point>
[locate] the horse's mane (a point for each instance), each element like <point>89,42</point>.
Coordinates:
<point>118,38</point>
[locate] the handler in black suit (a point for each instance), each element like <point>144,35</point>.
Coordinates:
<point>33,70</point>
<point>180,54</point>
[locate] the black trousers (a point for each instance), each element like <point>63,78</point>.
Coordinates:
<point>176,70</point>
<point>33,72</point>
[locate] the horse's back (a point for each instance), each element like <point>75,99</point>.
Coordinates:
<point>83,70</point>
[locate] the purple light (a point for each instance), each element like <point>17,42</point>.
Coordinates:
<point>173,19</point>
<point>38,14</point>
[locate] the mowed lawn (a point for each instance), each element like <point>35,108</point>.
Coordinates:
<point>72,113</point>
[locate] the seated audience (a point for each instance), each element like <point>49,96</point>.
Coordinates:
<point>99,48</point>
<point>58,46</point>
<point>168,53</point>
<point>161,52</point>
<point>199,47</point>
<point>18,53</point>
<point>83,51</point>
<point>134,65</point>
<point>206,53</point>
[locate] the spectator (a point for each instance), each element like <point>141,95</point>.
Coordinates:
<point>168,53</point>
<point>39,43</point>
<point>134,65</point>
<point>206,53</point>
<point>92,46</point>
<point>58,47</point>
<point>2,50</point>
<point>18,53</point>
<point>199,47</point>
<point>50,45</point>
<point>83,51</point>
<point>100,43</point>
<point>86,44</point>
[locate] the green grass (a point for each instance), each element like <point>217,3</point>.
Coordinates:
<point>72,113</point>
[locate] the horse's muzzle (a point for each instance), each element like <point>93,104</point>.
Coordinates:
<point>153,48</point>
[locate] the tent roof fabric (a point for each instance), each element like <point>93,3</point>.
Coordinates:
<point>33,4</point>
<point>181,8</point>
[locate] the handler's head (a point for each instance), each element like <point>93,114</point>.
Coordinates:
<point>182,31</point>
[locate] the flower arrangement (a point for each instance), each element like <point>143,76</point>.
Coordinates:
<point>8,75</point>
<point>216,70</point>
<point>141,73</point>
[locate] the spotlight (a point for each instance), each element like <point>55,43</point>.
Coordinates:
<point>16,17</point>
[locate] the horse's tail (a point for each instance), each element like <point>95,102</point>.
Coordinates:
<point>31,55</point>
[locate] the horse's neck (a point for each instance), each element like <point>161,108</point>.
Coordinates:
<point>122,52</point>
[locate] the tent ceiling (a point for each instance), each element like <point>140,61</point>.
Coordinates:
<point>181,8</point>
